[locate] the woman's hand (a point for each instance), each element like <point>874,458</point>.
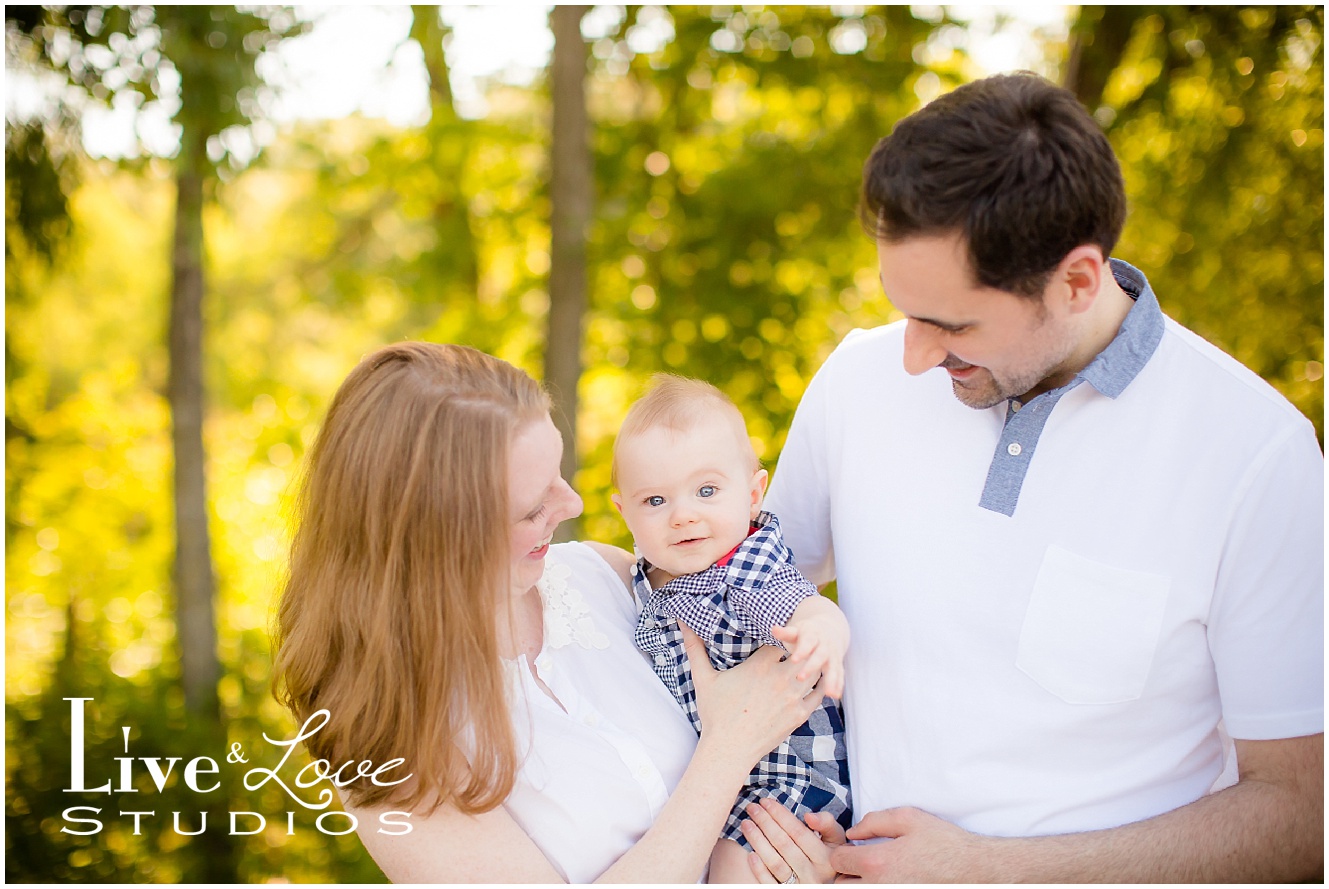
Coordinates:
<point>751,708</point>
<point>784,848</point>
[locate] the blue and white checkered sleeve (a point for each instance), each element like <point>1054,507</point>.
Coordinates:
<point>772,603</point>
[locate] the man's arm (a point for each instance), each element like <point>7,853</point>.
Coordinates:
<point>1269,826</point>
<point>800,492</point>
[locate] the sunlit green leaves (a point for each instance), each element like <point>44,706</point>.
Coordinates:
<point>1225,176</point>
<point>725,246</point>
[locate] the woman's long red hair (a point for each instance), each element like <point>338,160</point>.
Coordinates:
<point>389,614</point>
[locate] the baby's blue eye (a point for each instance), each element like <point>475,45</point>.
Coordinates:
<point>656,500</point>
<point>706,491</point>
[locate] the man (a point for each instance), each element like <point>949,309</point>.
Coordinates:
<point>1077,574</point>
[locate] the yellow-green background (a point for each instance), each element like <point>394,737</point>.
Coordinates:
<point>739,261</point>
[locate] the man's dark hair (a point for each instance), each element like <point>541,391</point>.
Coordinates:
<point>1014,164</point>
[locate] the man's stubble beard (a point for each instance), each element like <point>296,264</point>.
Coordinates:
<point>991,391</point>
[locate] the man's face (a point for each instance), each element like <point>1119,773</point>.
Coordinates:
<point>995,345</point>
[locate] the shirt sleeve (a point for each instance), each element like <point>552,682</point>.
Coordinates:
<point>772,603</point>
<point>800,490</point>
<point>1266,620</point>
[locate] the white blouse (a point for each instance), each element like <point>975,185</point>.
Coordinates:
<point>594,776</point>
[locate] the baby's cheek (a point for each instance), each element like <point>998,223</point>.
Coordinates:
<point>659,547</point>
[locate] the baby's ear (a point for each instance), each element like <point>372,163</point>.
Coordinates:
<point>759,479</point>
<point>617,501</point>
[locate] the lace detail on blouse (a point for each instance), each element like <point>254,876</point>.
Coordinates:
<point>567,617</point>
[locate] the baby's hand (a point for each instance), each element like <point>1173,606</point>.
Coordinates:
<point>817,636</point>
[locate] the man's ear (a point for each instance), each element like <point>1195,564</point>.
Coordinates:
<point>759,479</point>
<point>617,501</point>
<point>1081,275</point>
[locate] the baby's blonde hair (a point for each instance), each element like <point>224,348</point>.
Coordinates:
<point>679,404</point>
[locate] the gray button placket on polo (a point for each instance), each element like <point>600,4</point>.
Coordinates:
<point>1019,439</point>
<point>1111,371</point>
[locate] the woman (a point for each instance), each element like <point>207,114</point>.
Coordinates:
<point>428,613</point>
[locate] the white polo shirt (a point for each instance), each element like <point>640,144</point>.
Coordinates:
<point>1053,610</point>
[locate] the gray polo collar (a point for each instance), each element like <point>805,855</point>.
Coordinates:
<point>1111,371</point>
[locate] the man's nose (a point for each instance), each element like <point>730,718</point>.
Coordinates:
<point>923,349</point>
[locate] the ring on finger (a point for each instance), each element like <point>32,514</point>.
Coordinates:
<point>793,878</point>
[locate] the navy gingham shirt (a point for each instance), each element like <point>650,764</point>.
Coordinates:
<point>732,607</point>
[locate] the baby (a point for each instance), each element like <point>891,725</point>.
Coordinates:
<point>690,488</point>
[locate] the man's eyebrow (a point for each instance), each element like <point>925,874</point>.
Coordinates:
<point>950,326</point>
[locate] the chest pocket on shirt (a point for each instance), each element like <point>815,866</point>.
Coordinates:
<point>1091,630</point>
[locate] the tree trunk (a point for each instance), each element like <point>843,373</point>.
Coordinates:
<point>428,31</point>
<point>571,193</point>
<point>1098,38</point>
<point>194,583</point>
<point>452,150</point>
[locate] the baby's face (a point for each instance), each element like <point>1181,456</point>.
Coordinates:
<point>688,497</point>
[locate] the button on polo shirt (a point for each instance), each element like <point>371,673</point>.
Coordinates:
<point>1111,371</point>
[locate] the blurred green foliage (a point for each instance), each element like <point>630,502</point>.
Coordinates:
<point>725,247</point>
<point>1218,118</point>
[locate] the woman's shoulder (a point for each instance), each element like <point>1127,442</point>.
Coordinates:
<point>619,560</point>
<point>597,564</point>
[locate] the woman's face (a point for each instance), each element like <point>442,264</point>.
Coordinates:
<point>538,498</point>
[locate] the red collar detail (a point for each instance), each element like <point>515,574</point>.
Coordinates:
<point>728,557</point>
